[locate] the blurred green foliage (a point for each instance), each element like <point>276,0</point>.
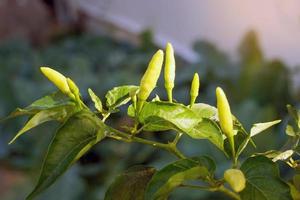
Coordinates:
<point>258,90</point>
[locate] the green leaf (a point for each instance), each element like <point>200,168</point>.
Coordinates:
<point>294,113</point>
<point>256,129</point>
<point>204,110</point>
<point>289,130</point>
<point>208,129</point>
<point>159,116</point>
<point>294,192</point>
<point>263,181</point>
<point>119,96</point>
<point>167,179</point>
<point>96,100</point>
<point>54,100</point>
<point>73,139</point>
<point>260,127</point>
<point>131,111</point>
<point>283,155</point>
<point>43,116</point>
<point>131,184</point>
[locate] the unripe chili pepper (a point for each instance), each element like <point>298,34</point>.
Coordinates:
<point>57,79</point>
<point>194,89</point>
<point>225,116</point>
<point>150,78</point>
<point>236,179</point>
<point>169,71</point>
<point>74,89</point>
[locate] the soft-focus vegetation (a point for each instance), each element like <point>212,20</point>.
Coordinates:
<point>259,88</point>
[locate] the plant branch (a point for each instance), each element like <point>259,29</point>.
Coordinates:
<point>198,187</point>
<point>221,188</point>
<point>119,135</point>
<point>228,192</point>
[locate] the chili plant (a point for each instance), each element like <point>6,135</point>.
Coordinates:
<point>257,177</point>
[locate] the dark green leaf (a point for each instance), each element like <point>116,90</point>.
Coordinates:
<point>263,181</point>
<point>96,100</point>
<point>167,179</point>
<point>294,113</point>
<point>119,96</point>
<point>294,192</point>
<point>131,184</point>
<point>80,132</point>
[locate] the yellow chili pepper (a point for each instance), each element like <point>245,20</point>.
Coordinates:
<point>194,89</point>
<point>73,87</point>
<point>236,179</point>
<point>169,71</point>
<point>58,80</point>
<point>150,78</point>
<point>225,116</point>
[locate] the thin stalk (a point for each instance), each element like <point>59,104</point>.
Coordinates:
<point>198,187</point>
<point>170,147</point>
<point>170,96</point>
<point>214,189</point>
<point>234,155</point>
<point>176,139</point>
<point>105,117</point>
<point>228,193</point>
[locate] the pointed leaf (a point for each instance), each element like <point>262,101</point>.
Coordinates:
<point>260,127</point>
<point>167,179</point>
<point>54,100</point>
<point>289,130</point>
<point>131,184</point>
<point>96,100</point>
<point>263,181</point>
<point>208,129</point>
<point>161,116</point>
<point>158,116</point>
<point>283,155</point>
<point>119,96</point>
<point>204,110</point>
<point>44,116</point>
<point>73,138</point>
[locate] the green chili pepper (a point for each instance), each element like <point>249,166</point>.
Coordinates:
<point>225,116</point>
<point>236,179</point>
<point>57,79</point>
<point>150,78</point>
<point>194,89</point>
<point>169,71</point>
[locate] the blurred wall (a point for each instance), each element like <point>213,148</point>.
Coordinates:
<point>27,19</point>
<point>221,21</point>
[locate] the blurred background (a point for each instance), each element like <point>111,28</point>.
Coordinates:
<point>250,48</point>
